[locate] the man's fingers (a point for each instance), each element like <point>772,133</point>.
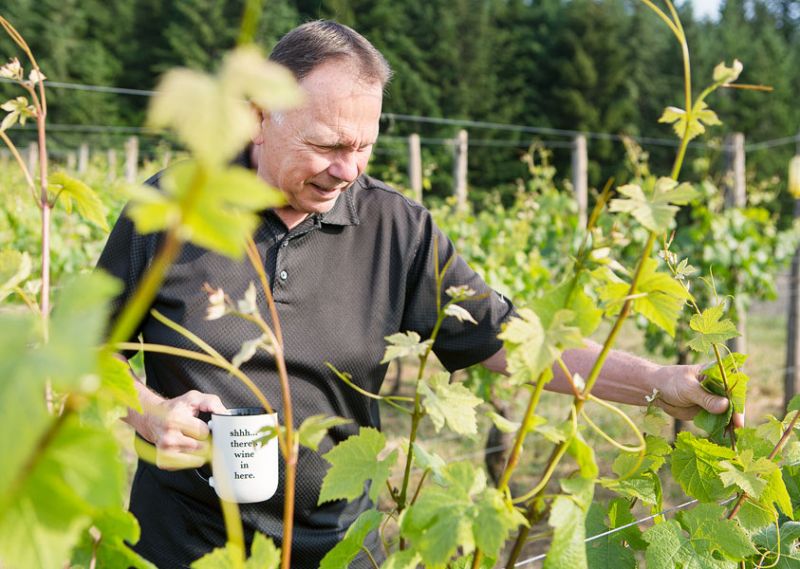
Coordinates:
<point>712,403</point>
<point>207,402</point>
<point>682,413</point>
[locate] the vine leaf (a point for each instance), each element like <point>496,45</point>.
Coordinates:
<point>568,520</point>
<point>354,462</point>
<point>212,115</point>
<point>18,111</point>
<point>429,461</point>
<point>751,477</point>
<point>460,313</point>
<point>462,512</point>
<point>314,428</point>
<point>710,329</point>
<point>531,348</point>
<point>15,267</point>
<point>659,297</point>
<point>347,549</point>
<point>264,555</point>
<point>214,217</point>
<point>701,117</point>
<point>713,541</point>
<point>115,527</point>
<point>655,205</point>
<point>404,559</point>
<point>610,551</point>
<point>756,514</point>
<point>794,404</point>
<point>587,315</point>
<point>695,466</point>
<point>784,545</point>
<point>86,200</point>
<point>403,345</point>
<point>737,392</point>
<point>449,403</point>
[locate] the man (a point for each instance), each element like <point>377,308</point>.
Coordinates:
<point>350,262</point>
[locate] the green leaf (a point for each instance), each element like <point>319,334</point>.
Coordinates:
<point>314,429</point>
<point>503,425</point>
<point>87,202</point>
<point>429,461</point>
<point>354,462</point>
<point>406,559</point>
<point>655,209</point>
<point>701,115</point>
<point>657,450</point>
<point>117,383</point>
<point>710,531</point>
<point>211,115</point>
<point>460,313</point>
<point>269,85</point>
<point>449,403</point>
<point>695,466</point>
<point>263,555</point>
<point>584,457</point>
<point>658,297</point>
<point>114,528</point>
<point>568,520</point>
<point>751,477</point>
<point>215,208</point>
<point>405,345</point>
<point>77,327</point>
<point>49,504</point>
<point>495,518</point>
<point>228,557</point>
<point>347,549</point>
<point>784,545</point>
<point>725,75</point>
<point>710,329</point>
<point>569,295</point>
<point>441,520</point>
<point>610,551</point>
<point>15,267</point>
<point>794,404</point>
<point>532,349</point>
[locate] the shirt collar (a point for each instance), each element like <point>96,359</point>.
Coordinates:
<point>343,211</point>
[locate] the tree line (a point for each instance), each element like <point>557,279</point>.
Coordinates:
<point>593,65</point>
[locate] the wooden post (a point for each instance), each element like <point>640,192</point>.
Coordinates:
<point>736,196</point>
<point>415,165</point>
<point>791,377</point>
<point>131,159</point>
<point>33,158</point>
<point>83,158</point>
<point>580,174</point>
<point>460,170</point>
<point>166,158</point>
<point>111,158</point>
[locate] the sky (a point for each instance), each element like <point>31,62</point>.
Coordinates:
<point>705,8</point>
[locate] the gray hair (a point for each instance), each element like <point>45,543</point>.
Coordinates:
<point>310,45</point>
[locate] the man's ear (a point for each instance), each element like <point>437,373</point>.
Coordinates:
<point>261,117</point>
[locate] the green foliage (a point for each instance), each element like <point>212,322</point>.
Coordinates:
<point>568,520</point>
<point>314,429</point>
<point>696,467</point>
<point>88,203</point>
<point>711,329</point>
<point>655,204</point>
<point>353,463</point>
<point>450,403</point>
<point>15,267</point>
<point>347,549</point>
<point>405,345</point>
<point>264,555</point>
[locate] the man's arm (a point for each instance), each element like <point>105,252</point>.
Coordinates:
<point>626,378</point>
<point>172,426</point>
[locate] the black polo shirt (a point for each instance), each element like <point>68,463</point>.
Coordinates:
<point>342,281</point>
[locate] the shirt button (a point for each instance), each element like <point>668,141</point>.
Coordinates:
<point>283,275</point>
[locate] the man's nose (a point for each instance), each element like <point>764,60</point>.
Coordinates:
<point>345,166</point>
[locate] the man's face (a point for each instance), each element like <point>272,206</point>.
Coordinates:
<point>315,152</point>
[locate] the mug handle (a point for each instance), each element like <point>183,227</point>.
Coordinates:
<point>210,479</point>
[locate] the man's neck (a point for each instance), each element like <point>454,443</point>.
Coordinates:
<point>291,218</point>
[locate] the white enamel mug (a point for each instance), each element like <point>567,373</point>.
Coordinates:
<point>244,471</point>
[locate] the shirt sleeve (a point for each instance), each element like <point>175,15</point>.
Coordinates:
<point>458,344</point>
<point>125,256</point>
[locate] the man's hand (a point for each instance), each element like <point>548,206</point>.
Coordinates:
<point>681,395</point>
<point>180,438</point>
